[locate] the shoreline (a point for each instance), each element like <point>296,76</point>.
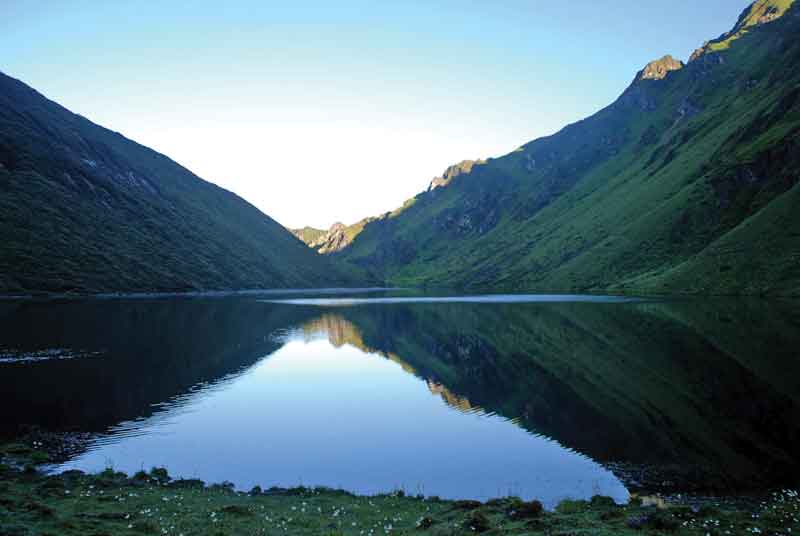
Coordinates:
<point>35,502</point>
<point>51,296</point>
<point>670,483</point>
<point>33,295</point>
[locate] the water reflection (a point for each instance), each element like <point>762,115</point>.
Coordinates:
<point>339,331</point>
<point>462,399</point>
<point>702,393</point>
<point>312,413</point>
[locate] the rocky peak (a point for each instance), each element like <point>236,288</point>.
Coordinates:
<point>658,69</point>
<point>465,166</point>
<point>758,13</point>
<point>638,94</point>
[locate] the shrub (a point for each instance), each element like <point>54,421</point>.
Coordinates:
<point>569,506</point>
<point>478,522</point>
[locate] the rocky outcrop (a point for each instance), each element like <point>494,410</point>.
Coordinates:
<point>640,93</point>
<point>660,68</point>
<point>335,239</point>
<point>465,166</point>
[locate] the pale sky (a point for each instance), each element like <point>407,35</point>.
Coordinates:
<point>322,111</point>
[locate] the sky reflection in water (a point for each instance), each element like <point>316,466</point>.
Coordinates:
<point>315,414</point>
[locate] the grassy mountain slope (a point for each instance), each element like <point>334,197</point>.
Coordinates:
<point>759,12</point>
<point>684,184</point>
<point>84,209</point>
<point>308,234</point>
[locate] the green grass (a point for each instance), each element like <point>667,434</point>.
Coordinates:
<point>749,18</point>
<point>32,503</point>
<point>309,234</point>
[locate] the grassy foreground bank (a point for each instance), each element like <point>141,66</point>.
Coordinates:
<point>109,503</point>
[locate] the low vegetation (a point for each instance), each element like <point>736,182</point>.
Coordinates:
<point>35,503</point>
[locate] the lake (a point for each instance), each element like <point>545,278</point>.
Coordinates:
<point>544,397</point>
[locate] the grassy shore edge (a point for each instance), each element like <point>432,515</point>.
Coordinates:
<point>33,502</point>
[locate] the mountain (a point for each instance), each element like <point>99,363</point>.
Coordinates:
<point>84,209</point>
<point>335,239</point>
<point>688,182</point>
<point>340,236</point>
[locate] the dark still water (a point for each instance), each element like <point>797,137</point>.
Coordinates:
<point>469,397</point>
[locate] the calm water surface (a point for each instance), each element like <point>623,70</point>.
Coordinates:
<point>545,397</point>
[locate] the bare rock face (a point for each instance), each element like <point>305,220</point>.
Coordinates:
<point>698,53</point>
<point>334,240</point>
<point>658,69</point>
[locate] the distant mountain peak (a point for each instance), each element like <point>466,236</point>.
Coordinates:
<point>336,238</point>
<point>758,13</point>
<point>658,69</point>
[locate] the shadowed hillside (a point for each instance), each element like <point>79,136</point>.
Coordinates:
<point>84,209</point>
